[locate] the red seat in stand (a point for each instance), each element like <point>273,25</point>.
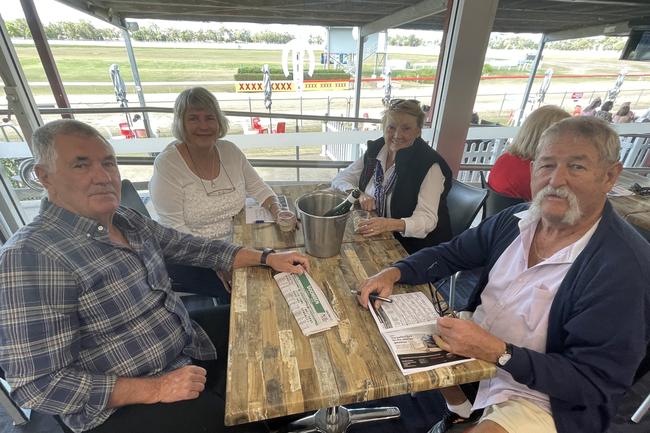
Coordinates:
<point>126,131</point>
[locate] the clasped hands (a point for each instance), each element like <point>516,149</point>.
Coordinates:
<point>376,225</point>
<point>458,336</point>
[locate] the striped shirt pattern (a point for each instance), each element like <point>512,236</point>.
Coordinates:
<point>77,311</point>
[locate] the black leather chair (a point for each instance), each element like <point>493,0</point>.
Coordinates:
<point>131,198</point>
<point>464,203</point>
<point>186,280</point>
<point>495,202</point>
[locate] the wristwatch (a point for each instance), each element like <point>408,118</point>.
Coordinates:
<point>265,254</point>
<point>504,358</point>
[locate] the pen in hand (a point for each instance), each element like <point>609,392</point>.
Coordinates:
<point>372,296</point>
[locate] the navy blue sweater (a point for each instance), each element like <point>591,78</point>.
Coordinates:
<point>598,327</point>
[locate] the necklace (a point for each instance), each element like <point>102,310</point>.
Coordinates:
<point>537,254</point>
<point>198,172</point>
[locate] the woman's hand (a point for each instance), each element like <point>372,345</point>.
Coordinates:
<point>367,202</point>
<point>378,225</point>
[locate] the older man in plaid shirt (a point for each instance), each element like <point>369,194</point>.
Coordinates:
<point>89,327</point>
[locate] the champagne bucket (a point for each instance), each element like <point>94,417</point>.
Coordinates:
<point>323,235</point>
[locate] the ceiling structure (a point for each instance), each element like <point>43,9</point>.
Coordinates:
<point>566,18</point>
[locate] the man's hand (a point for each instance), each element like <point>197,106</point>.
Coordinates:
<point>381,284</point>
<point>185,383</point>
<point>466,338</point>
<point>366,202</point>
<point>289,261</point>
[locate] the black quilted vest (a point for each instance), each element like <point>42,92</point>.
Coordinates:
<point>412,165</point>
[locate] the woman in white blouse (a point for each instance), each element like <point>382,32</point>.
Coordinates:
<point>403,179</point>
<point>200,182</point>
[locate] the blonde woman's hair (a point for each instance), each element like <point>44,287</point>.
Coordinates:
<point>524,145</point>
<point>196,98</point>
<point>408,106</point>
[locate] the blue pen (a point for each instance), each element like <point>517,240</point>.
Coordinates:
<point>259,221</point>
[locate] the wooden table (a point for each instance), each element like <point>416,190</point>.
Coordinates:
<point>269,235</point>
<point>274,370</point>
<point>634,208</point>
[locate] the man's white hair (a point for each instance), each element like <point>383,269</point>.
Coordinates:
<point>43,139</point>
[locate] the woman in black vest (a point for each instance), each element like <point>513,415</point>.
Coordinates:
<point>403,179</point>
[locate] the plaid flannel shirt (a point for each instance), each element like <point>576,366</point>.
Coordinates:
<point>77,311</point>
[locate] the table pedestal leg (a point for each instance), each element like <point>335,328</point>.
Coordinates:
<point>338,419</point>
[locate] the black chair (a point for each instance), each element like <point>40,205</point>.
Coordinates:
<point>464,202</point>
<point>131,198</point>
<point>495,202</point>
<point>186,280</point>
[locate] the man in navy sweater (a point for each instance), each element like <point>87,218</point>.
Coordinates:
<point>563,302</point>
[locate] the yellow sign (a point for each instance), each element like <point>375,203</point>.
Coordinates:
<point>288,86</point>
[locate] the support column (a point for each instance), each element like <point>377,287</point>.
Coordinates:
<point>466,41</point>
<point>136,78</point>
<point>531,78</point>
<point>45,54</point>
<point>22,105</point>
<point>357,79</point>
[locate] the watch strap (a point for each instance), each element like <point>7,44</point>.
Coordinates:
<point>265,255</point>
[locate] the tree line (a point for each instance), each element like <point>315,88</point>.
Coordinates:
<point>84,30</point>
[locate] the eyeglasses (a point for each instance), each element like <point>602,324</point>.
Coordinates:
<point>640,190</point>
<point>441,307</point>
<point>218,191</point>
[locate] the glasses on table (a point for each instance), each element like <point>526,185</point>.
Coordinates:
<point>640,190</point>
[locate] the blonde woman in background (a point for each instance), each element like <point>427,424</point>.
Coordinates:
<point>510,174</point>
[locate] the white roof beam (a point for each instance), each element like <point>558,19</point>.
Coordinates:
<point>412,13</point>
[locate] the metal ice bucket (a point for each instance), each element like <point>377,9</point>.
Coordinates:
<point>323,235</point>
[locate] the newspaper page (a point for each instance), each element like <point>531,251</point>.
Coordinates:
<point>408,325</point>
<point>256,214</point>
<point>307,302</point>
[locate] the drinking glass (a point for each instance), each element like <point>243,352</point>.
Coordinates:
<point>286,220</point>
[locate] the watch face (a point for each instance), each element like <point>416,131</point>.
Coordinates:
<point>503,359</point>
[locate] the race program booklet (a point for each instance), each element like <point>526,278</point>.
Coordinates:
<point>307,302</point>
<point>408,325</point>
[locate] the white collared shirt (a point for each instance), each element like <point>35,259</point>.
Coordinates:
<point>515,305</point>
<point>425,215</point>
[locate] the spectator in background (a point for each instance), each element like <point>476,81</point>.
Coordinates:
<point>604,112</point>
<point>644,118</point>
<point>577,111</point>
<point>475,119</point>
<point>510,174</point>
<point>624,114</point>
<point>590,110</point>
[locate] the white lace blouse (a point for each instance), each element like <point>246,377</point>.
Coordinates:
<point>204,208</point>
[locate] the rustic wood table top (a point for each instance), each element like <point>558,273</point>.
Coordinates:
<point>274,370</point>
<point>269,234</point>
<point>634,208</point>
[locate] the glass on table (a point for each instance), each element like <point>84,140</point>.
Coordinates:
<point>286,220</point>
<point>358,216</point>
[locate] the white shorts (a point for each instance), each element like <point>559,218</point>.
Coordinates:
<point>520,416</point>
